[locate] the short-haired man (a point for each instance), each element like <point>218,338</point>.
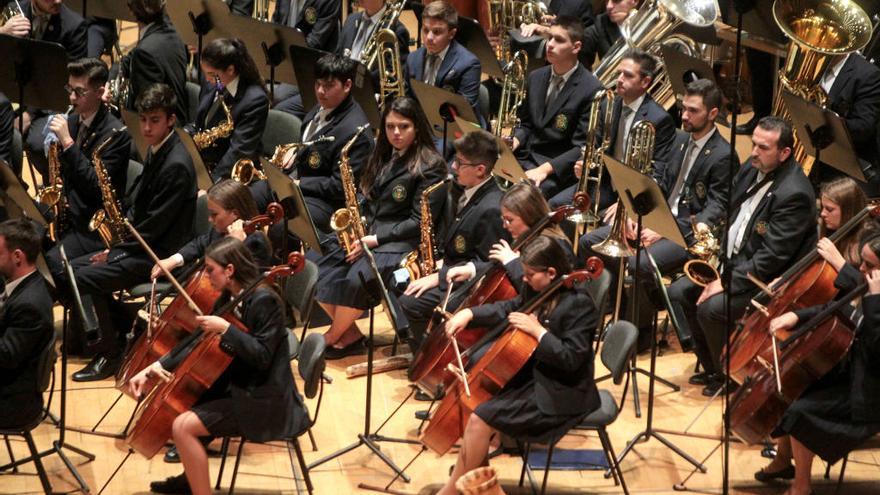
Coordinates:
<point>26,326</point>
<point>337,115</point>
<point>360,27</point>
<point>772,226</point>
<point>79,134</point>
<point>601,36</point>
<point>161,208</point>
<point>469,226</point>
<point>442,61</point>
<point>695,185</point>
<point>553,116</point>
<point>317,20</point>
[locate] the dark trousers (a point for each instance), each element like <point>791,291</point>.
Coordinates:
<point>76,244</point>
<point>34,146</point>
<point>7,124</point>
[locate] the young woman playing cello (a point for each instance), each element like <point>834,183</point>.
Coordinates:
<point>402,165</point>
<point>841,200</point>
<point>257,380</point>
<point>556,388</point>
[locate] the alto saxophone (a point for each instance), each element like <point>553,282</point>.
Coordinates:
<point>52,194</point>
<point>347,222</point>
<point>109,221</point>
<point>206,138</point>
<point>420,262</point>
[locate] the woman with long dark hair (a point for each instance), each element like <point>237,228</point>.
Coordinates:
<point>231,74</point>
<point>403,164</point>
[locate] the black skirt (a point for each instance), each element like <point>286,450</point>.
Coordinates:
<point>821,419</point>
<point>339,282</point>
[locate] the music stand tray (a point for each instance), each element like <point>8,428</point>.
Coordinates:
<point>507,167</point>
<point>132,121</point>
<point>203,177</point>
<point>296,212</point>
<point>34,73</point>
<point>108,9</point>
<point>472,35</point>
<point>434,99</point>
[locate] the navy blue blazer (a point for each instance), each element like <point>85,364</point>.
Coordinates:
<point>66,28</point>
<point>353,24</point>
<point>459,72</point>
<point>318,21</point>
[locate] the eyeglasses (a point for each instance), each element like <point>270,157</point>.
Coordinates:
<point>80,92</point>
<point>462,163</point>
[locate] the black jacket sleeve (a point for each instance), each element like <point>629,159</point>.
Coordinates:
<point>245,140</point>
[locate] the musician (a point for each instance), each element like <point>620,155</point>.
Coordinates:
<point>840,200</point>
<point>601,36</point>
<point>553,116</point>
<point>771,228</point>
<point>317,20</point>
<point>839,411</point>
<point>101,36</point>
<point>161,209</point>
<point>532,36</point>
<point>229,204</point>
<point>695,185</point>
<point>79,135</point>
<point>26,325</point>
<point>403,164</point>
<point>232,76</point>
<point>441,61</point>
<point>469,226</point>
<point>257,381</point>
<point>337,115</point>
<point>158,57</point>
<point>555,389</point>
<point>360,27</point>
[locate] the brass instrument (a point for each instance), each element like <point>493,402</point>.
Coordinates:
<point>206,138</point>
<point>661,88</point>
<point>373,47</point>
<point>347,222</point>
<point>261,10</point>
<point>245,171</point>
<point>639,155</point>
<point>52,193</point>
<point>704,269</point>
<point>649,25</point>
<point>819,31</point>
<point>390,70</point>
<point>120,89</point>
<point>505,15</point>
<point>283,150</point>
<point>420,262</point>
<point>593,160</point>
<point>11,10</point>
<point>109,222</point>
<point>513,92</point>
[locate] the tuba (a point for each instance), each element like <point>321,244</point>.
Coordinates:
<point>347,222</point>
<point>421,262</point>
<point>593,159</point>
<point>513,92</point>
<point>109,221</point>
<point>819,31</point>
<point>261,10</point>
<point>649,25</point>
<point>704,269</point>
<point>390,70</point>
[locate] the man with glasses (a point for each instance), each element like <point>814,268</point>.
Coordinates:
<point>78,135</point>
<point>467,227</point>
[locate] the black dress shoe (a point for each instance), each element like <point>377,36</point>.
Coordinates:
<point>171,455</point>
<point>786,473</point>
<point>700,379</point>
<point>715,386</point>
<point>172,484</point>
<point>423,415</point>
<point>426,397</point>
<point>99,368</point>
<point>353,349</point>
<point>749,127</point>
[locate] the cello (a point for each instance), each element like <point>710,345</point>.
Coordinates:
<point>506,356</point>
<point>179,318</point>
<point>202,366</point>
<point>428,369</point>
<point>809,282</point>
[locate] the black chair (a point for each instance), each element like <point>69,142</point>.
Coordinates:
<point>872,443</point>
<point>46,367</point>
<point>598,290</point>
<point>281,128</point>
<point>619,345</point>
<point>299,292</point>
<point>311,368</point>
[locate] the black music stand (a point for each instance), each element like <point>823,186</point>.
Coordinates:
<point>203,176</point>
<point>296,213</point>
<point>376,293</point>
<point>22,60</point>
<point>442,107</point>
<point>645,203</point>
<point>132,121</point>
<point>18,203</point>
<point>206,19</point>
<point>507,167</point>
<point>683,69</point>
<point>108,9</point>
<point>472,35</point>
<point>824,134</point>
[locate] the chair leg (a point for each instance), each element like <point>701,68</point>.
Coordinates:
<point>306,325</point>
<point>312,439</point>
<point>614,460</point>
<point>41,471</point>
<point>547,468</point>
<point>522,474</point>
<point>302,465</point>
<point>11,455</point>
<point>224,450</point>
<point>235,468</point>
<point>842,470</point>
<point>603,439</point>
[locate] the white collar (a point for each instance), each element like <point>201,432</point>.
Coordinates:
<point>144,30</point>
<point>470,191</point>
<point>565,76</point>
<point>12,284</point>
<point>232,87</point>
<point>155,149</point>
<point>87,121</point>
<point>442,54</point>
<point>703,140</point>
<point>634,106</point>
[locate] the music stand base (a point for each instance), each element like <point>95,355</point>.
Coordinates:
<point>371,442</point>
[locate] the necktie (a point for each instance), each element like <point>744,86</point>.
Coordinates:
<point>40,23</point>
<point>360,40</point>
<point>81,134</point>
<point>686,165</point>
<point>314,126</point>
<point>293,17</point>
<point>462,202</point>
<point>431,66</point>
<point>556,83</point>
<point>738,228</point>
<point>622,132</point>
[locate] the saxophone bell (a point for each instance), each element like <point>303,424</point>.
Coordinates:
<point>245,171</point>
<point>347,222</point>
<point>704,269</point>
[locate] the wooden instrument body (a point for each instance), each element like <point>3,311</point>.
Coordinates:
<point>177,321</point>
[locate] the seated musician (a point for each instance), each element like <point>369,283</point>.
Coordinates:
<point>159,56</point>
<point>79,134</point>
<point>403,164</point>
<point>582,10</point>
<point>470,225</point>
<point>232,78</point>
<point>25,324</point>
<point>317,20</point>
<point>772,227</point>
<point>441,61</point>
<point>601,36</point>
<point>636,73</point>
<point>316,167</point>
<point>695,185</point>
<point>257,381</point>
<point>841,410</point>
<point>229,205</point>
<point>522,208</point>
<point>540,406</point>
<point>161,209</point>
<point>553,115</point>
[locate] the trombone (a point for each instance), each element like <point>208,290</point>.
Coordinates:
<point>592,160</point>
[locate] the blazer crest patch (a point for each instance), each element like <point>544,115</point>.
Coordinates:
<point>310,15</point>
<point>314,159</point>
<point>761,227</point>
<point>460,244</point>
<point>561,122</point>
<point>399,193</point>
<point>700,190</point>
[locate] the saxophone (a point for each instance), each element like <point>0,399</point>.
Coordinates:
<point>109,221</point>
<point>347,222</point>
<point>51,195</point>
<point>206,138</point>
<point>420,262</point>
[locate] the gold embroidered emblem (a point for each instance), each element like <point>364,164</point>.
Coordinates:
<point>561,122</point>
<point>314,159</point>
<point>460,244</point>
